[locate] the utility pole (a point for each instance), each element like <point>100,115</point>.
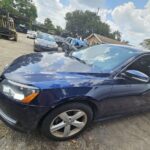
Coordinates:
<point>98,11</point>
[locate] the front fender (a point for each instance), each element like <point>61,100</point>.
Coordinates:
<point>52,97</point>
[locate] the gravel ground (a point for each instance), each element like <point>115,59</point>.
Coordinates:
<point>129,133</point>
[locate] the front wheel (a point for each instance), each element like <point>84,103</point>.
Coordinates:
<point>67,121</point>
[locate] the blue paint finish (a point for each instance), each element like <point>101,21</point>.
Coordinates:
<point>62,79</point>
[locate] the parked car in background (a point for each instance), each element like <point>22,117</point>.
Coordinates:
<point>59,40</point>
<point>78,43</point>
<point>68,48</point>
<point>31,34</point>
<point>62,94</point>
<point>45,42</point>
<point>72,44</point>
<point>22,28</point>
<point>64,45</point>
<point>69,39</point>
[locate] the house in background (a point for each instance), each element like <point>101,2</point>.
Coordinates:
<point>94,39</point>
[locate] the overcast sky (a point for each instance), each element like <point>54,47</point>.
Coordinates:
<point>131,18</point>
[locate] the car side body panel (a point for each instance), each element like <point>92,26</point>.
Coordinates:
<point>67,80</point>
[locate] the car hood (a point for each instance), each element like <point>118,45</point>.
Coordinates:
<point>43,42</point>
<point>48,70</point>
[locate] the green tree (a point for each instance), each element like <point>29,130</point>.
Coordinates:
<point>116,35</point>
<point>49,25</point>
<point>85,23</point>
<point>146,43</point>
<point>27,9</point>
<point>58,30</point>
<point>21,8</point>
<point>9,6</point>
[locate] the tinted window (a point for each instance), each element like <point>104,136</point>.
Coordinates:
<point>142,64</point>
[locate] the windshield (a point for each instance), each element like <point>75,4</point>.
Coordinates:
<point>47,37</point>
<point>105,58</point>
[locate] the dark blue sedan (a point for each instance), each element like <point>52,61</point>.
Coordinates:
<point>62,94</point>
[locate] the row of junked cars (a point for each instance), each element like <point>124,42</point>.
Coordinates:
<point>44,42</point>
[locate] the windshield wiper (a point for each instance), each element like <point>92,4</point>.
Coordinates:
<point>82,61</point>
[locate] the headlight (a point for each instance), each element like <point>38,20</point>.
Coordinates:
<point>18,92</point>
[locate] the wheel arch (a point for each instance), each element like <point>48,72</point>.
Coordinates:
<point>84,100</point>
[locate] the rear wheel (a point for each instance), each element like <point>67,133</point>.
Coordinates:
<point>67,121</point>
<point>14,37</point>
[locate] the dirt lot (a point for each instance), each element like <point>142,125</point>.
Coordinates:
<point>130,133</point>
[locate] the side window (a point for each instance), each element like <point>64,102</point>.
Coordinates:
<point>142,64</point>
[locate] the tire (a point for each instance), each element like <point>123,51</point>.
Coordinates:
<point>35,50</point>
<point>15,37</point>
<point>52,118</point>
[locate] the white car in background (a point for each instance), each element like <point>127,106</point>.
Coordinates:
<point>31,34</point>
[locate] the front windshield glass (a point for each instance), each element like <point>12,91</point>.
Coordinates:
<point>105,58</point>
<point>47,37</point>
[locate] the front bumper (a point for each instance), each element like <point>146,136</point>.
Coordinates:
<point>39,48</point>
<point>19,116</point>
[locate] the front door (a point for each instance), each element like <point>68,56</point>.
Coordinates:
<point>128,95</point>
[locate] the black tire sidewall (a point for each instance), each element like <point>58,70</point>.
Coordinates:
<point>45,127</point>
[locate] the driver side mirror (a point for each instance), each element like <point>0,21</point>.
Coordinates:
<point>136,75</point>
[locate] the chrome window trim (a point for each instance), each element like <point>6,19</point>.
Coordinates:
<point>140,56</point>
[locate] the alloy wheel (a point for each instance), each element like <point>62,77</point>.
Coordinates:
<point>68,123</point>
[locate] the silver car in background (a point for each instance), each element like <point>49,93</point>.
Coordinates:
<point>45,42</point>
